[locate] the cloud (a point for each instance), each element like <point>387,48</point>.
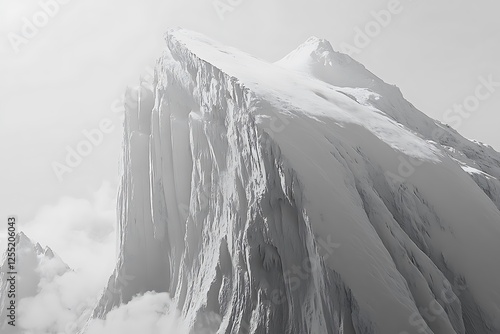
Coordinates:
<point>82,233</point>
<point>62,303</point>
<point>151,313</point>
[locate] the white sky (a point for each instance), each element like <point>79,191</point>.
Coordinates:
<point>66,78</point>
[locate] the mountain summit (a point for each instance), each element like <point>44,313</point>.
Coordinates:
<point>305,196</point>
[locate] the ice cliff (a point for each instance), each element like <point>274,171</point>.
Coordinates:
<point>303,196</point>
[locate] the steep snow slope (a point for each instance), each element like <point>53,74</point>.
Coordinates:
<point>29,256</point>
<point>305,196</point>
<point>317,58</point>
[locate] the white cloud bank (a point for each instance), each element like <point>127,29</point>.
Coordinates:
<point>151,313</point>
<point>82,233</point>
<point>63,301</point>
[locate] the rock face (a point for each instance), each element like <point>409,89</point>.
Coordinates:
<point>305,196</point>
<point>29,256</point>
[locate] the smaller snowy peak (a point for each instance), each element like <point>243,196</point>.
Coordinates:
<point>39,248</point>
<point>313,45</point>
<point>30,252</point>
<point>24,244</point>
<point>48,252</point>
<point>30,256</point>
<point>22,239</point>
<point>317,58</point>
<point>34,264</point>
<point>315,51</point>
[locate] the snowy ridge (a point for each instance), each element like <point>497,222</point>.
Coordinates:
<point>271,198</point>
<point>317,58</point>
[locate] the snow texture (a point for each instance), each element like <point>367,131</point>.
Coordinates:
<point>304,196</point>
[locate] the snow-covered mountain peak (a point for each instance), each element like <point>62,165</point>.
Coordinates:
<point>318,44</point>
<point>31,252</point>
<point>290,89</point>
<point>291,201</point>
<point>315,52</point>
<point>313,46</point>
<point>48,252</point>
<point>23,240</point>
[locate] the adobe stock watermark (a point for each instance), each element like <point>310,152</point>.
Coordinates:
<point>95,137</point>
<point>274,123</point>
<point>460,111</point>
<point>295,277</point>
<point>74,156</point>
<point>453,116</point>
<point>31,26</point>
<point>298,274</point>
<point>435,309</point>
<point>363,36</point>
<point>406,168</point>
<point>278,123</point>
<point>83,307</point>
<point>226,6</point>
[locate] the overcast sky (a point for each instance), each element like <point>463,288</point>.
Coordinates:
<point>68,75</point>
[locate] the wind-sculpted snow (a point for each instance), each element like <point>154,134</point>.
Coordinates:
<point>317,58</point>
<point>305,196</point>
